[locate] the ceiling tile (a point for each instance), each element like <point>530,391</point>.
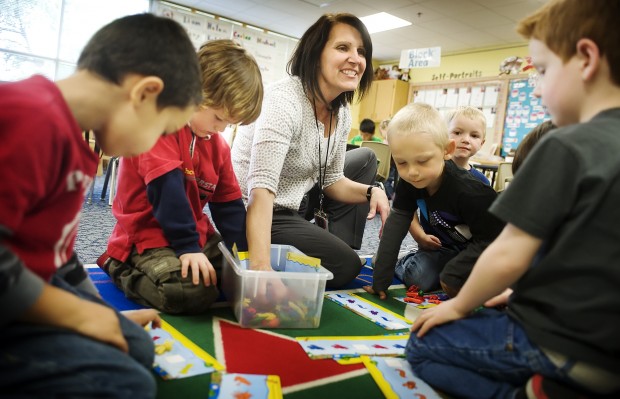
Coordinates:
<point>453,7</point>
<point>446,26</point>
<point>484,18</point>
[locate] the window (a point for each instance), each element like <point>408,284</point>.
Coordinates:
<point>46,36</point>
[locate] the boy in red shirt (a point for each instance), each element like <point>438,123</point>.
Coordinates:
<point>56,340</point>
<point>162,250</point>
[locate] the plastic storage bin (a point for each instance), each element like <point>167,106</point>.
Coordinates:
<point>251,295</point>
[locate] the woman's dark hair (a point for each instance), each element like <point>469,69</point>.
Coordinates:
<point>305,62</point>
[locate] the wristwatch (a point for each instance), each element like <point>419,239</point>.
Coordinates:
<point>369,192</point>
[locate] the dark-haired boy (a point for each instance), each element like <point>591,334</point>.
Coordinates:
<point>559,249</point>
<point>367,133</point>
<point>56,340</point>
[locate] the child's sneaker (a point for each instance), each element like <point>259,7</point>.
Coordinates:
<point>540,387</point>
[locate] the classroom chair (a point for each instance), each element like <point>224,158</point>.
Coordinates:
<point>504,176</point>
<point>384,156</point>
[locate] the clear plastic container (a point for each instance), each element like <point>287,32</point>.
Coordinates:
<point>291,296</point>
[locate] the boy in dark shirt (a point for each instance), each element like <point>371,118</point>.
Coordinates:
<point>559,249</point>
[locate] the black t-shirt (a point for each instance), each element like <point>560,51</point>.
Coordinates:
<point>457,214</point>
<point>567,193</point>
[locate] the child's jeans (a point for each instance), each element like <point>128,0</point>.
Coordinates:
<point>422,268</point>
<point>42,361</point>
<point>486,355</point>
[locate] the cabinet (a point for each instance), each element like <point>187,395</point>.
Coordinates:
<point>384,99</point>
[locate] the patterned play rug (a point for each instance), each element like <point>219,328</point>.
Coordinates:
<point>274,351</point>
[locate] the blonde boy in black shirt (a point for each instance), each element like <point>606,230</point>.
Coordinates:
<point>452,206</point>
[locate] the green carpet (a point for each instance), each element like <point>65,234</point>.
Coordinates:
<point>335,321</point>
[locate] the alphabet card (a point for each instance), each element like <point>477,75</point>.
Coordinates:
<point>370,310</point>
<point>396,379</point>
<point>178,357</point>
<point>235,385</point>
<point>354,346</point>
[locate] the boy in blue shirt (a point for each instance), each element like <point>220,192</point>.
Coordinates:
<point>559,249</point>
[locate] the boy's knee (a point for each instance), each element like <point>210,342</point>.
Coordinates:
<point>181,296</point>
<point>157,281</point>
<point>141,383</point>
<point>412,273</point>
<point>413,352</point>
<point>450,290</point>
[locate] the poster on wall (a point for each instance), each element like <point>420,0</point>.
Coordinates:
<point>270,51</point>
<point>464,97</point>
<point>200,28</point>
<point>523,113</point>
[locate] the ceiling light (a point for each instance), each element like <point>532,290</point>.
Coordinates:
<point>383,21</point>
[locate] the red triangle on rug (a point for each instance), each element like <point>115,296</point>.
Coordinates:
<point>265,352</point>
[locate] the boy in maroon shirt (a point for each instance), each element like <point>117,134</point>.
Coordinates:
<point>56,340</point>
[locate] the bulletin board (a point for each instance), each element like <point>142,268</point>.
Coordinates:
<point>523,113</point>
<point>491,95</point>
<point>271,51</point>
<point>487,94</point>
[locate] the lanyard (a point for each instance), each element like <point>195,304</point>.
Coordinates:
<point>329,136</point>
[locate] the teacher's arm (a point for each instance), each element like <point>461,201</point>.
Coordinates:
<point>258,228</point>
<point>351,192</point>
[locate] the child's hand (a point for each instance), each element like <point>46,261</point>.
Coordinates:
<point>98,322</point>
<point>199,264</point>
<point>143,317</point>
<point>60,308</point>
<point>370,290</point>
<point>428,242</point>
<point>499,300</point>
<point>440,314</point>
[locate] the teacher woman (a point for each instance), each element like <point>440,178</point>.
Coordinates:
<point>294,156</point>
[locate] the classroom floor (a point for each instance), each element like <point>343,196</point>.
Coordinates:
<point>97,223</point>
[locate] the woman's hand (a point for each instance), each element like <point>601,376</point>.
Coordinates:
<point>379,203</point>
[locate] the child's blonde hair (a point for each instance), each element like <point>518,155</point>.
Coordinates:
<point>384,124</point>
<point>560,24</point>
<point>417,118</point>
<point>231,80</point>
<point>471,113</point>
